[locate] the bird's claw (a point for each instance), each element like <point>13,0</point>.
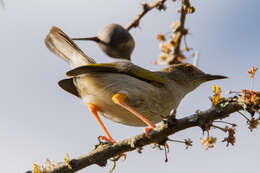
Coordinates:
<point>147,131</point>
<point>112,141</point>
<point>104,138</point>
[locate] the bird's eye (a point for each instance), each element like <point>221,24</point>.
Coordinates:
<point>189,69</point>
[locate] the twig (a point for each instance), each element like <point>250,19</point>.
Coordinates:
<point>220,128</point>
<point>178,141</point>
<point>114,167</point>
<point>232,124</point>
<point>105,152</point>
<point>243,115</point>
<point>159,4</point>
<point>180,32</point>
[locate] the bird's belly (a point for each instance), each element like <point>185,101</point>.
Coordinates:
<point>146,99</point>
<point>116,113</point>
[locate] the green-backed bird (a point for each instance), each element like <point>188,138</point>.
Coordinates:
<point>122,91</point>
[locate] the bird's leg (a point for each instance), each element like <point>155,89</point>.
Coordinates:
<point>94,109</point>
<point>119,99</point>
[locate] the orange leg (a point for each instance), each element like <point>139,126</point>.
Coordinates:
<point>93,109</point>
<point>119,99</point>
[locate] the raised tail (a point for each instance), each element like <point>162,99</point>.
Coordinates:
<point>62,45</point>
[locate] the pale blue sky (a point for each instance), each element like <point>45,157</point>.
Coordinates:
<point>39,120</point>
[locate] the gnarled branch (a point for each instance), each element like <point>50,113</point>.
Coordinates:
<point>106,151</point>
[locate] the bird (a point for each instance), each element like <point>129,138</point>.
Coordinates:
<point>114,40</point>
<point>122,91</point>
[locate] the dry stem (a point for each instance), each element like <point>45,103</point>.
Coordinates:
<point>104,152</point>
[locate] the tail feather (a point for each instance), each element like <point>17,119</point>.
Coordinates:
<point>61,45</point>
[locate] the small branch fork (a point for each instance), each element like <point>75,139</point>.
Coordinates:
<point>180,32</point>
<point>106,151</point>
<point>159,4</point>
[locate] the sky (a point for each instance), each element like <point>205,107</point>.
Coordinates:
<point>38,120</point>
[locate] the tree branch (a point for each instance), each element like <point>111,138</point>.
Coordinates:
<point>159,4</point>
<point>106,151</point>
<point>171,51</point>
<point>180,31</point>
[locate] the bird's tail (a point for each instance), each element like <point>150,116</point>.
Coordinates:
<point>62,45</point>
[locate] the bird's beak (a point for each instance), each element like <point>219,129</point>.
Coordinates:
<point>209,77</point>
<point>88,38</point>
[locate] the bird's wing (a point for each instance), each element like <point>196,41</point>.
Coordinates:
<point>129,69</point>
<point>60,44</point>
<point>68,85</point>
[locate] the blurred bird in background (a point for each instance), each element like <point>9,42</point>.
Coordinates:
<point>114,40</point>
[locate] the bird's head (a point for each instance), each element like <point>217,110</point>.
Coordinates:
<point>188,76</point>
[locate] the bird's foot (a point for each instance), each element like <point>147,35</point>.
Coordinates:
<point>108,140</point>
<point>148,130</point>
<point>112,141</point>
